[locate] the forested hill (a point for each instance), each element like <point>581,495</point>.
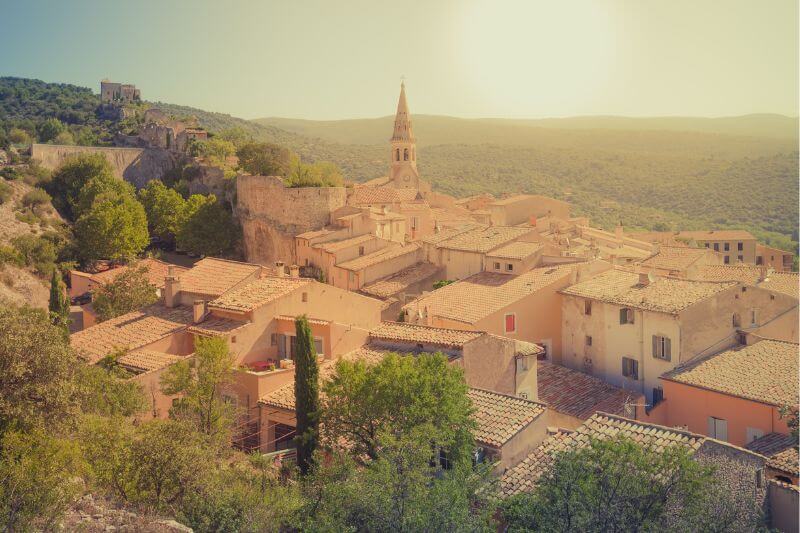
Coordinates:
<point>659,173</point>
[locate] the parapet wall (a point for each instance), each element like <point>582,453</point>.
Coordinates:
<point>135,165</point>
<point>271,214</point>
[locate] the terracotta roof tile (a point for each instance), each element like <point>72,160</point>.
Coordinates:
<point>478,296</point>
<point>257,293</point>
<point>156,272</point>
<point>783,282</point>
<point>578,394</point>
<point>213,277</point>
<point>447,233</point>
<point>707,235</point>
<point>766,372</point>
<point>412,333</point>
<point>386,254</point>
<point>675,257</point>
<point>483,239</point>
<point>382,195</point>
<point>664,295</point>
<point>335,246</point>
<point>499,417</point>
<point>516,250</point>
<point>148,360</point>
<point>523,477</point>
<point>781,451</point>
<point>216,326</point>
<point>132,330</point>
<point>399,282</point>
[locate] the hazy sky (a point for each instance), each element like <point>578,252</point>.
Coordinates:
<point>343,59</point>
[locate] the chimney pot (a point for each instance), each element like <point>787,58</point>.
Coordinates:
<point>644,279</point>
<point>294,271</point>
<point>279,267</point>
<point>198,311</point>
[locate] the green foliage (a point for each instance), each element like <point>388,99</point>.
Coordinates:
<point>37,480</point>
<point>442,283</point>
<point>399,398</point>
<point>35,198</point>
<point>68,180</point>
<point>10,255</point>
<point>102,185</point>
<point>36,371</point>
<point>6,191</point>
<point>235,135</point>
<point>165,209</point>
<point>115,227</point>
<point>208,227</point>
<point>306,393</point>
<point>264,159</point>
<point>215,150</point>
<point>790,414</point>
<point>19,136</point>
<point>107,392</point>
<point>50,129</point>
<point>200,383</point>
<point>620,485</point>
<point>36,252</point>
<point>128,292</point>
<point>320,174</point>
<point>59,301</point>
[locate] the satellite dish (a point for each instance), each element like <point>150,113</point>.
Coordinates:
<point>650,277</point>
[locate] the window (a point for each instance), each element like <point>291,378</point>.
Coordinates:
<point>397,154</point>
<point>233,339</point>
<point>360,250</point>
<point>658,395</point>
<point>587,307</point>
<point>753,434</point>
<point>626,316</point>
<point>716,247</point>
<point>630,368</point>
<point>662,347</point>
<point>509,267</point>
<point>588,340</point>
<point>736,320</point>
<point>740,258</point>
<point>754,317</point>
<point>511,323</point>
<point>759,260</point>
<point>708,245</point>
<point>740,246</point>
<point>318,346</point>
<point>273,339</point>
<point>497,266</point>
<point>727,247</point>
<point>305,296</point>
<point>727,260</point>
<point>405,154</point>
<point>717,428</point>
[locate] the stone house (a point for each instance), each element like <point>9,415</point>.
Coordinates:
<point>736,246</point>
<point>524,208</point>
<point>526,306</point>
<point>775,258</point>
<point>111,92</point>
<point>629,329</point>
<point>401,288</point>
<point>680,261</point>
<point>355,273</point>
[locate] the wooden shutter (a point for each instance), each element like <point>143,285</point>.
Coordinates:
<point>511,325</point>
<point>623,316</point>
<point>722,429</point>
<point>655,345</point>
<point>712,427</point>
<point>667,349</point>
<point>635,372</point>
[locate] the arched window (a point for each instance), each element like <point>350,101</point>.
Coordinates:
<point>405,154</point>
<point>397,155</point>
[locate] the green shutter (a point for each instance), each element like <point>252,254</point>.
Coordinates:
<point>623,316</point>
<point>667,349</point>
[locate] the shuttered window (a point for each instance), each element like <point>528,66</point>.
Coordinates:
<point>511,323</point>
<point>630,368</point>
<point>662,348</point>
<point>717,428</point>
<point>626,316</point>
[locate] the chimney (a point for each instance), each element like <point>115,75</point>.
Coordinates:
<point>281,271</point>
<point>198,311</point>
<point>532,220</point>
<point>172,286</point>
<point>294,271</point>
<point>763,273</point>
<point>644,279</point>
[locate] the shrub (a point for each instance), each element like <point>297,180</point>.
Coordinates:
<point>35,198</point>
<point>36,252</point>
<point>5,192</point>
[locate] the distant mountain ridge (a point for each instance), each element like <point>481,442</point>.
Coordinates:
<point>439,129</point>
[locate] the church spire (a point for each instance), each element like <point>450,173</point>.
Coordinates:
<point>402,121</point>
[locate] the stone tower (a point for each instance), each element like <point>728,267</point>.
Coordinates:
<point>403,172</point>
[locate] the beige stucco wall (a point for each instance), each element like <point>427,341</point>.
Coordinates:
<point>524,442</point>
<point>459,264</point>
<point>489,364</point>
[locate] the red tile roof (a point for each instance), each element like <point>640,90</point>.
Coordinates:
<point>580,395</point>
<point>257,293</point>
<point>214,277</point>
<point>413,333</point>
<point>499,416</point>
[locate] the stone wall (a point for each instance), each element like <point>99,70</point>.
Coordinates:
<point>272,214</point>
<point>135,165</point>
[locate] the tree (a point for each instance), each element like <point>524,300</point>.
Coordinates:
<point>59,302</point>
<point>108,392</point>
<point>36,252</point>
<point>264,159</point>
<point>37,480</point>
<point>36,371</point>
<point>790,414</point>
<point>102,185</point>
<point>208,228</point>
<point>115,227</point>
<point>200,385</point>
<point>165,210</point>
<point>401,396</point>
<point>50,129</point>
<point>68,180</point>
<point>216,150</point>
<point>320,174</point>
<point>19,136</point>
<point>128,292</point>
<point>620,485</point>
<point>306,393</point>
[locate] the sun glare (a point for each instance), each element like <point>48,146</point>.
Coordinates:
<point>527,56</point>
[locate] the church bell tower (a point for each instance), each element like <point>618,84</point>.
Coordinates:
<point>403,172</point>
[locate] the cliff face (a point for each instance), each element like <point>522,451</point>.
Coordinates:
<point>272,214</point>
<point>136,165</point>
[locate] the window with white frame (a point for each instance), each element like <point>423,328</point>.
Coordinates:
<point>662,347</point>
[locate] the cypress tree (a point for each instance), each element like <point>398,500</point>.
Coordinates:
<point>306,394</point>
<point>59,305</point>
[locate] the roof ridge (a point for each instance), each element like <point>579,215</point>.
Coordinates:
<point>685,432</point>
<point>408,324</point>
<point>495,393</point>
